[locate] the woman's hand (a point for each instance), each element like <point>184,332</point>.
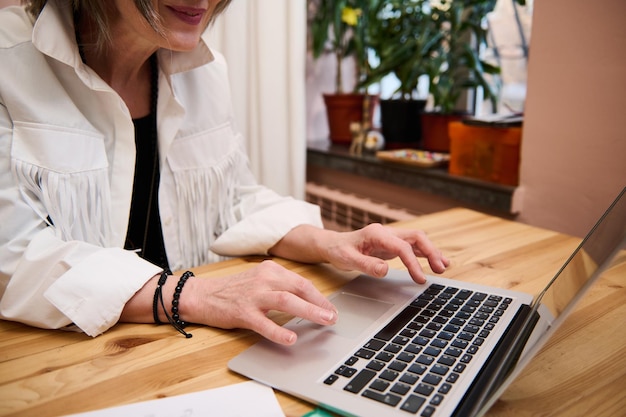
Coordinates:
<point>365,249</point>
<point>243,301</point>
<point>368,248</point>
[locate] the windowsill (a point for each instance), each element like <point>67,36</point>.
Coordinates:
<point>436,182</point>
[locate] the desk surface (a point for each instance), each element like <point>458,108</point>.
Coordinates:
<point>581,371</point>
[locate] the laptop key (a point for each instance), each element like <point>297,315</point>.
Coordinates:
<point>445,335</point>
<point>393,348</point>
<point>460,367</point>
<point>351,360</point>
<point>360,380</point>
<point>394,326</point>
<point>379,385</point>
<point>409,378</point>
<point>413,403</point>
<point>400,389</point>
<point>331,379</point>
<point>446,360</point>
<point>384,356</point>
<point>389,399</point>
<point>432,379</point>
<point>389,375</point>
<point>397,366</point>
<point>418,369</point>
<point>406,357</point>
<point>432,351</point>
<point>453,352</point>
<point>445,388</point>
<point>375,365</point>
<point>427,333</point>
<point>439,343</point>
<point>440,369</point>
<point>364,353</point>
<point>374,344</point>
<point>452,378</point>
<point>425,359</point>
<point>345,371</point>
<point>411,348</point>
<point>437,399</point>
<point>428,411</point>
<point>424,389</point>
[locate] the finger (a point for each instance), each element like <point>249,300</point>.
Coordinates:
<point>423,247</point>
<point>272,331</point>
<point>401,246</point>
<point>292,304</point>
<point>303,288</point>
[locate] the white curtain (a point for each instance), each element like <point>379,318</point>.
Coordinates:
<point>264,43</point>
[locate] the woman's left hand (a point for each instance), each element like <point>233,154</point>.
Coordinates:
<point>365,250</point>
<point>368,248</point>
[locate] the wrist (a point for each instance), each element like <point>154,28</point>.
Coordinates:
<point>170,287</point>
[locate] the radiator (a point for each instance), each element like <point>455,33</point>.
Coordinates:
<point>344,211</point>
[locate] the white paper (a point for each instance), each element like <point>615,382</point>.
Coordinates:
<point>246,399</point>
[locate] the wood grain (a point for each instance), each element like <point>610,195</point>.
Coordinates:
<point>580,372</point>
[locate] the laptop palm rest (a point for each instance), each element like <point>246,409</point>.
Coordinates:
<point>356,313</point>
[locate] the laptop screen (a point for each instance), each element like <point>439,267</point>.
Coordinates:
<point>559,297</point>
<point>606,238</point>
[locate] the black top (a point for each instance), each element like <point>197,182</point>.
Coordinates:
<point>144,227</point>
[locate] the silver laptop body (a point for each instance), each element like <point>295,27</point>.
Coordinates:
<point>444,348</point>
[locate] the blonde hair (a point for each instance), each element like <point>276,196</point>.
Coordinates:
<point>96,10</point>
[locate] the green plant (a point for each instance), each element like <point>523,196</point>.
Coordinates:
<point>404,38</point>
<point>456,65</point>
<point>338,27</point>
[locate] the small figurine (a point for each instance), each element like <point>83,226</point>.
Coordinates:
<point>358,138</point>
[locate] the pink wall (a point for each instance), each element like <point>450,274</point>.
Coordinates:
<point>4,3</point>
<point>574,138</point>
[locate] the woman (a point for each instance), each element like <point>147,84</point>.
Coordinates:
<point>120,159</point>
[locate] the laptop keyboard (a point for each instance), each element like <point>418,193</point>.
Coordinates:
<point>414,361</point>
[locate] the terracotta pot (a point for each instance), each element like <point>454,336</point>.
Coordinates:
<point>343,109</point>
<point>435,135</point>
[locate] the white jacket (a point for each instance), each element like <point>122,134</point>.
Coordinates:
<point>67,157</point>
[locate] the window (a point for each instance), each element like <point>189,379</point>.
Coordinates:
<point>509,39</point>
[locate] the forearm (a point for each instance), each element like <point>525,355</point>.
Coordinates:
<point>305,243</point>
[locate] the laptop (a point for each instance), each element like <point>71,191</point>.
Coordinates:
<point>444,348</point>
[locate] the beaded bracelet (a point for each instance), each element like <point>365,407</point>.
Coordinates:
<point>174,319</point>
<point>179,288</point>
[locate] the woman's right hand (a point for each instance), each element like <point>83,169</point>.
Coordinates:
<point>243,301</point>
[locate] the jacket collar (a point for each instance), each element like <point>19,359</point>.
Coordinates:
<point>53,35</point>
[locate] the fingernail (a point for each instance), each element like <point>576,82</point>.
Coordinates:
<point>328,315</point>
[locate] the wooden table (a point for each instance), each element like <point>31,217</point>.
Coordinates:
<point>580,372</point>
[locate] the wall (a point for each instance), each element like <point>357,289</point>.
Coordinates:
<point>574,138</point>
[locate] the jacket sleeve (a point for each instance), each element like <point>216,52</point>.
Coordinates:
<point>264,217</point>
<point>49,282</point>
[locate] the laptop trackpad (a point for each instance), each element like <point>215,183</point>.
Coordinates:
<point>356,313</point>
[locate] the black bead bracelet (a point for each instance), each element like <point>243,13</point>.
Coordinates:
<point>174,319</point>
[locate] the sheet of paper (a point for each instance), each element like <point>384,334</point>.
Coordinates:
<point>246,399</point>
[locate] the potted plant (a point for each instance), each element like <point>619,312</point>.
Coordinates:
<point>404,39</point>
<point>338,28</point>
<point>457,66</point>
